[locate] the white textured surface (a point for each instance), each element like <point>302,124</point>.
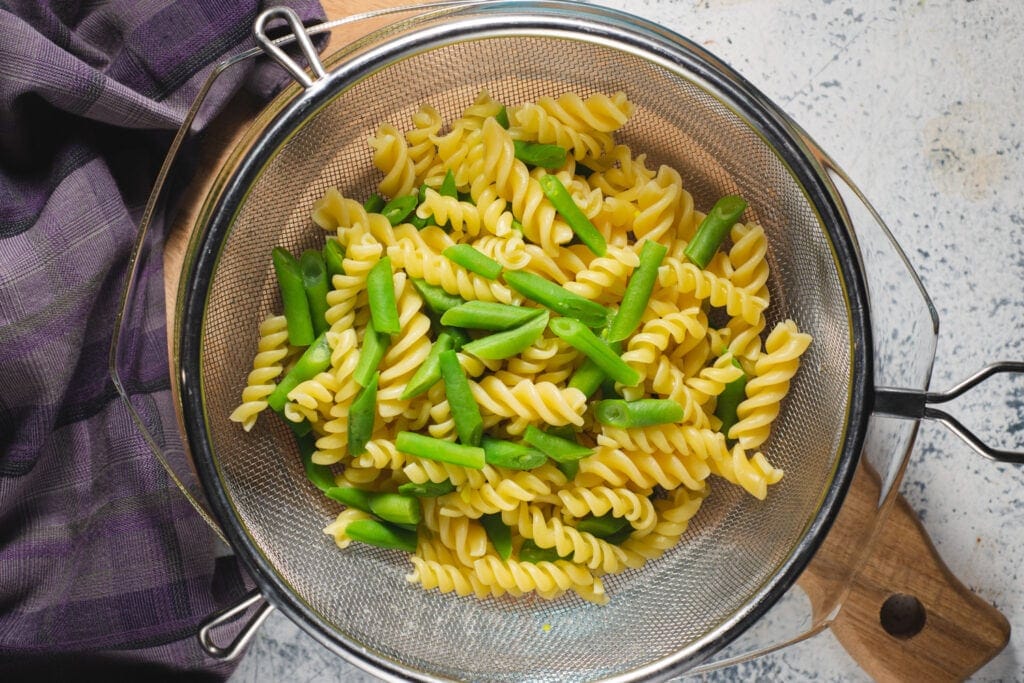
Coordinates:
<point>920,102</point>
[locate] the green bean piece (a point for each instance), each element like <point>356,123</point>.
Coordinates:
<point>558,299</point>
<point>448,187</point>
<point>514,456</point>
<point>380,290</point>
<point>414,219</point>
<point>375,344</point>
<point>459,336</point>
<point>427,489</point>
<point>473,260</point>
<point>555,447</point>
<point>293,296</point>
<point>440,450</point>
<point>350,496</point>
<point>563,202</point>
<point>619,536</point>
<point>638,291</point>
<point>468,422</point>
<point>604,526</point>
<point>502,117</point>
<point>382,535</point>
<point>714,228</point>
<point>428,374</point>
<point>396,508</point>
<point>538,154</point>
<point>516,225</point>
<point>436,299</point>
<point>569,468</point>
<point>510,342</point>
<point>334,256</point>
<point>644,412</point>
<point>730,398</point>
<point>589,377</point>
<point>314,280</point>
<point>498,534</point>
<point>312,362</point>
<point>399,208</point>
<point>594,348</point>
<point>374,204</point>
<point>488,315</point>
<point>361,415</point>
<point>608,389</point>
<point>584,170</point>
<point>320,475</point>
<point>529,551</point>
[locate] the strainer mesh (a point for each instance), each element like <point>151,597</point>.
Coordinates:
<point>735,544</point>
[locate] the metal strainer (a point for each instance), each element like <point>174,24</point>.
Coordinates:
<point>692,113</point>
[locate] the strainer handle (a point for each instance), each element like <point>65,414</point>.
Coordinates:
<point>919,404</point>
<point>227,615</point>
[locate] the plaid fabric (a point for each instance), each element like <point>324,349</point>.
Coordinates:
<point>103,564</point>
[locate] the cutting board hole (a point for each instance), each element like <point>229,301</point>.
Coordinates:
<point>902,615</point>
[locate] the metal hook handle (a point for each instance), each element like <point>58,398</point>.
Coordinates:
<point>301,38</point>
<point>236,646</point>
<point>918,404</point>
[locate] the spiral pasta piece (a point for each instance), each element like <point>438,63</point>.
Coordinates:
<point>674,515</point>
<point>438,270</point>
<point>619,502</point>
<point>598,112</point>
<point>409,348</point>
<point>550,532</point>
<point>391,156</point>
<point>747,258</point>
<point>770,384</point>
<point>604,279</point>
<point>533,122</point>
<point>451,578</point>
<point>754,474</point>
<point>508,250</point>
<point>422,152</point>
<point>613,466</point>
<point>507,494</point>
<point>548,579</point>
<point>337,528</point>
<point>266,367</point>
<point>719,292</point>
<point>537,402</point>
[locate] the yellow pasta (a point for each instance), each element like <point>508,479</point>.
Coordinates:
<point>701,330</point>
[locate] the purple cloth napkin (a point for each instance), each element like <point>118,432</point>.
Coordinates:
<point>105,569</point>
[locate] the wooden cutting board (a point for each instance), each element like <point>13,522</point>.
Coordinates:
<point>905,616</point>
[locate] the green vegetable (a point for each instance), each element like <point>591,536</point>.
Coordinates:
<point>714,228</point>
<point>730,398</point>
<point>429,372</point>
<point>382,535</point>
<point>448,187</point>
<point>398,208</point>
<point>314,280</point>
<point>375,344</point>
<point>588,343</point>
<point>488,315</point>
<point>537,154</point>
<point>465,411</point>
<point>511,455</point>
<point>563,202</point>
<point>643,412</point>
<point>313,361</point>
<point>502,117</point>
<point>473,260</point>
<point>603,526</point>
<point>509,343</point>
<point>619,536</point>
<point>555,447</point>
<point>440,450</point>
<point>529,551</point>
<point>374,204</point>
<point>588,377</point>
<point>558,299</point>
<point>427,489</point>
<point>320,475</point>
<point>436,299</point>
<point>638,291</point>
<point>459,336</point>
<point>396,508</point>
<point>334,255</point>
<point>361,416</point>
<point>350,496</point>
<point>380,290</point>
<point>570,468</point>
<point>499,534</point>
<point>293,297</point>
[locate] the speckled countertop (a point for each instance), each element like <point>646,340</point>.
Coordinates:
<point>920,101</point>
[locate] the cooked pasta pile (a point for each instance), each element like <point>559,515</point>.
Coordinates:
<point>701,329</point>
